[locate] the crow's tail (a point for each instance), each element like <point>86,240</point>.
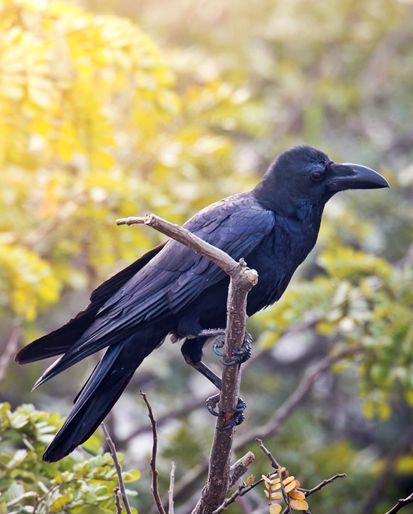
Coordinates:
<point>99,394</point>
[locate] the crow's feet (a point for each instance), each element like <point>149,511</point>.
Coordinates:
<point>242,355</point>
<point>235,418</point>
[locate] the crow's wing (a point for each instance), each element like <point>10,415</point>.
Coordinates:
<point>174,277</point>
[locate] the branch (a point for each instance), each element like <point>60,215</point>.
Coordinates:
<point>285,410</point>
<point>181,234</point>
<point>400,504</point>
<point>309,492</point>
<point>171,509</point>
<point>154,485</point>
<point>242,280</point>
<point>240,467</point>
<point>112,451</point>
<point>241,491</point>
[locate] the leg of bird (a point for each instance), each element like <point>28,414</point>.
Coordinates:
<point>192,353</point>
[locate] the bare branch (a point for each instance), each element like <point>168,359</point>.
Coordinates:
<point>309,492</point>
<point>154,485</point>
<point>242,280</point>
<point>400,504</point>
<point>171,509</point>
<point>181,234</point>
<point>118,504</point>
<point>112,450</point>
<point>267,452</point>
<point>240,467</point>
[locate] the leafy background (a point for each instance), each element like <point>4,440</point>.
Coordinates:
<point>116,108</point>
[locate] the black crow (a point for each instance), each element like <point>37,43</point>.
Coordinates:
<point>173,290</point>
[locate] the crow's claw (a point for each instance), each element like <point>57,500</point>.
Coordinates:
<point>237,416</point>
<point>219,345</point>
<point>243,354</point>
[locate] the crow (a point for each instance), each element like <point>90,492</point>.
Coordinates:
<point>173,290</point>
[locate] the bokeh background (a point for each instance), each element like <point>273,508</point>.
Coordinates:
<point>116,108</point>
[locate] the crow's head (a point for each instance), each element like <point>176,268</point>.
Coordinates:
<point>305,175</point>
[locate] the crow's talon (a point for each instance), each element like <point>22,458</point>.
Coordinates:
<point>218,346</point>
<point>243,354</point>
<point>211,404</point>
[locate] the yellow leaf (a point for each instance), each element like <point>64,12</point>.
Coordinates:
<point>296,495</point>
<point>273,495</point>
<point>299,505</point>
<point>250,480</point>
<point>289,487</point>
<point>276,508</point>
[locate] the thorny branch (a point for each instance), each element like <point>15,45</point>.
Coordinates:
<point>112,449</point>
<point>171,490</point>
<point>154,485</point>
<point>242,280</point>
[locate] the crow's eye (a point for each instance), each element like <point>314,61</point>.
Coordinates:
<point>317,176</point>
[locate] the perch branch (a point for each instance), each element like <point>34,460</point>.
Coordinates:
<point>154,485</point>
<point>112,450</point>
<point>242,280</point>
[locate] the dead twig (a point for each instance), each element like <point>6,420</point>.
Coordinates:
<point>154,485</point>
<point>112,450</point>
<point>171,509</point>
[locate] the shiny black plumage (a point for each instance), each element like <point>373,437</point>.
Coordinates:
<point>171,289</point>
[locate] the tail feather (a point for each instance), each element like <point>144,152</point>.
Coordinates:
<point>61,340</point>
<point>98,395</point>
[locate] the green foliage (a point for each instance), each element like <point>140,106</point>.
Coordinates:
<point>27,484</point>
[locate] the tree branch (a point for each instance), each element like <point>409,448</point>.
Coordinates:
<point>242,280</point>
<point>400,504</point>
<point>122,488</point>
<point>171,509</point>
<point>154,485</point>
<point>309,492</point>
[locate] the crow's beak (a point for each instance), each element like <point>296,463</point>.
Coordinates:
<point>354,176</point>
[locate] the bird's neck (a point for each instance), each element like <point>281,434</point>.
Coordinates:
<point>285,204</point>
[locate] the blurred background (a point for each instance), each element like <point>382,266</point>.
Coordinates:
<point>117,108</point>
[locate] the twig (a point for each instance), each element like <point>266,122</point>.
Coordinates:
<point>242,280</point>
<point>154,485</point>
<point>117,501</point>
<point>171,509</point>
<point>112,450</point>
<point>240,467</point>
<point>400,504</point>
<point>297,397</point>
<point>267,452</point>
<point>241,491</point>
<point>309,492</point>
